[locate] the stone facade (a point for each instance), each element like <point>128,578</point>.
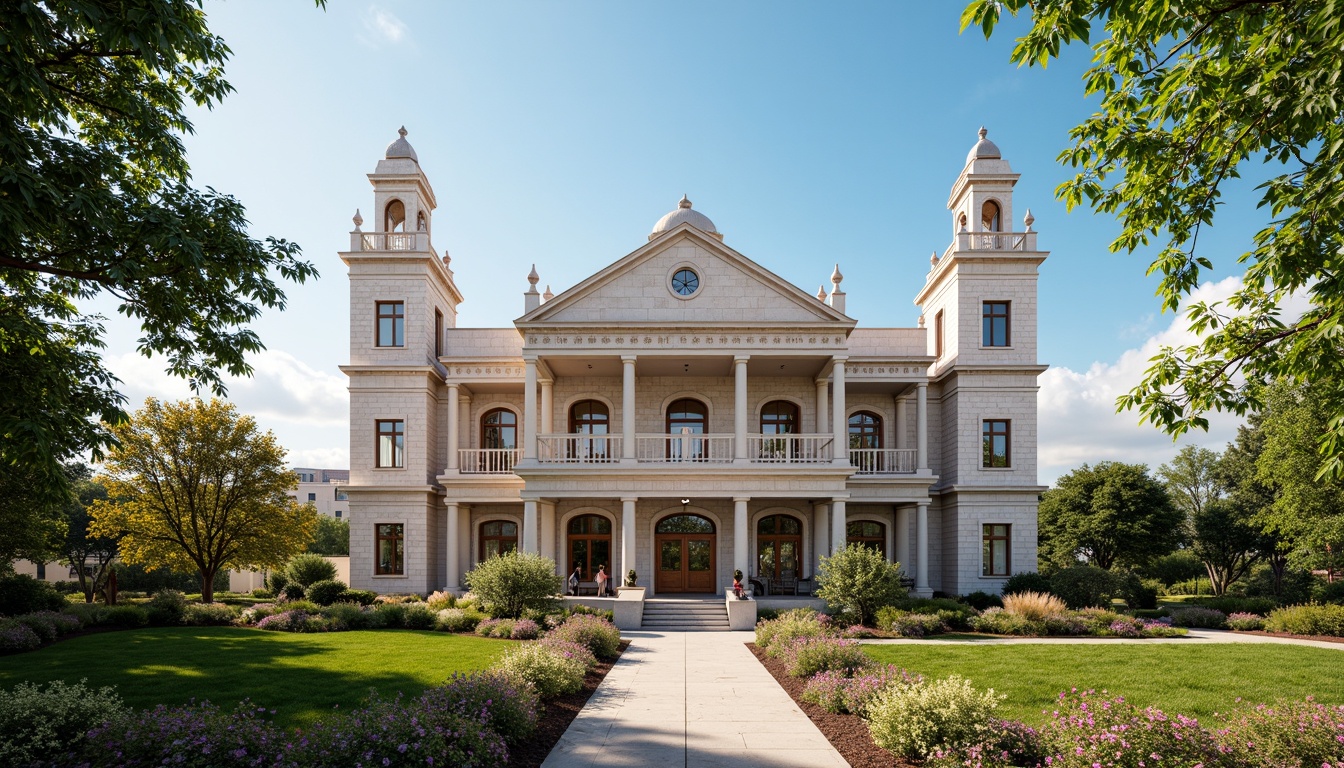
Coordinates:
<point>686,412</point>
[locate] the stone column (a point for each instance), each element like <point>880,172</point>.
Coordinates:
<point>903,538</point>
<point>547,425</point>
<point>454,411</point>
<point>899,423</point>
<point>530,526</point>
<point>823,408</point>
<point>454,566</point>
<point>922,551</point>
<point>740,409</point>
<point>628,538</point>
<point>922,427</point>
<point>839,423</point>
<point>741,535</point>
<point>546,529</point>
<point>530,414</point>
<point>820,536</point>
<point>628,408</point>
<point>837,524</point>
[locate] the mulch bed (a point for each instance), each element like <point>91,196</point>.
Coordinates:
<point>557,716</point>
<point>847,733</point>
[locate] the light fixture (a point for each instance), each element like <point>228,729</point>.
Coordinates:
<point>684,502</point>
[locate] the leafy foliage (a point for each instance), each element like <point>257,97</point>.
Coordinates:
<point>919,719</point>
<point>90,555</point>
<point>24,594</point>
<point>1188,94</point>
<point>42,726</point>
<point>330,537</point>
<point>308,569</point>
<point>1111,514</point>
<point>1306,512</point>
<point>511,583</point>
<point>858,580</point>
<point>195,485</point>
<point>1227,540</point>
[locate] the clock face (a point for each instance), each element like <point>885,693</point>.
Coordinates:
<point>685,282</point>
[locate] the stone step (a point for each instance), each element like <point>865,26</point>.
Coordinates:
<point>678,609</point>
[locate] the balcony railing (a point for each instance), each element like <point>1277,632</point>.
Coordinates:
<point>996,241</point>
<point>578,449</point>
<point>487,461</point>
<point>389,241</point>
<point>790,449</point>
<point>882,461</point>
<point>684,447</point>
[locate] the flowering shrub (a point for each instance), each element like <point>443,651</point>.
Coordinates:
<point>1086,730</point>
<point>857,632</point>
<point>806,656</point>
<point>17,637</point>
<point>193,735</point>
<point>1068,625</point>
<point>1125,628</point>
<point>1034,606</point>
<point>495,628</point>
<point>838,693</point>
<point>256,613</point>
<point>500,702</point>
<point>914,624</point>
<point>790,625</point>
<point>997,621</point>
<point>207,614</point>
<point>1158,628</point>
<point>918,719</point>
<point>525,629</point>
<point>571,651</point>
<point>552,673</point>
<point>457,620</point>
<point>601,636</point>
<point>1245,622</point>
<point>1206,618</point>
<point>424,731</point>
<point>48,625</point>
<point>1308,620</point>
<point>295,621</point>
<point>45,726</point>
<point>439,601</point>
<point>1304,733</point>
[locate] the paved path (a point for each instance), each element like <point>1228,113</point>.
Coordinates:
<point>1196,637</point>
<point>691,699</point>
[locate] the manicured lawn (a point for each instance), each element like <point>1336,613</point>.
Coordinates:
<point>301,677</point>
<point>1190,680</point>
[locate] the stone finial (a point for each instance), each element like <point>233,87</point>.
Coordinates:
<point>402,131</point>
<point>921,321</point>
<point>685,202</point>
<point>836,277</point>
<point>1029,220</point>
<point>821,293</point>
<point>533,278</point>
<point>933,259</point>
<point>359,220</point>
<point>547,295</point>
<point>983,132</point>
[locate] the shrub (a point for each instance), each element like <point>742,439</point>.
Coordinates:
<point>428,730</point>
<point>24,594</point>
<point>954,614</point>
<point>498,701</point>
<point>982,600</point>
<point>127,616</point>
<point>392,615</point>
<point>351,616</point>
<point>1033,606</point>
<point>598,635</point>
<point>1071,624</point>
<point>525,629</point>
<point>1246,622</point>
<point>295,621</point>
<point>1328,592</point>
<point>511,583</point>
<point>293,592</point>
<point>457,620</point>
<point>1207,618</point>
<point>277,581</point>
<point>571,650</point>
<point>839,693</point>
<point>1125,627</point>
<point>1085,586</point>
<point>359,596</point>
<point>16,636</point>
<point>996,621</point>
<point>166,608</point>
<point>807,656</point>
<point>197,734</point>
<point>916,720</point>
<point>89,614</point>
<point>550,672</point>
<point>1303,733</point>
<point>495,628</point>
<point>40,623</point>
<point>1308,620</point>
<point>46,726</point>
<point>1162,629</point>
<point>1027,581</point>
<point>307,569</point>
<point>910,624</point>
<point>1082,733</point>
<point>799,622</point>
<point>419,617</point>
<point>208,615</point>
<point>440,600</point>
<point>325,592</point>
<point>399,599</point>
<point>1137,593</point>
<point>858,580</point>
<point>264,594</point>
<point>1262,606</point>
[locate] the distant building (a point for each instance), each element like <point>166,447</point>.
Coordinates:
<point>324,489</point>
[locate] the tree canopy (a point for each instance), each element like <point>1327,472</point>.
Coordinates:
<point>1308,513</point>
<point>1189,94</point>
<point>195,486</point>
<point>96,199</point>
<point>88,554</point>
<point>1111,514</point>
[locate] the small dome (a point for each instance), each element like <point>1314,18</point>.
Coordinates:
<point>401,148</point>
<point>984,149</point>
<point>684,213</point>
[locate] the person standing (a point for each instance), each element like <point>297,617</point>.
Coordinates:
<point>601,581</point>
<point>574,580</point>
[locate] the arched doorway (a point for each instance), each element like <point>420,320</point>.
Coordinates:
<point>684,547</point>
<point>779,547</point>
<point>589,545</point>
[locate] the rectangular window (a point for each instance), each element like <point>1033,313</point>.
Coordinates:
<point>338,514</point>
<point>994,323</point>
<point>994,436</point>
<point>391,324</point>
<point>391,447</point>
<point>438,333</point>
<point>312,497</point>
<point>994,560</point>
<point>938,334</point>
<point>41,571</point>
<point>342,495</point>
<point>390,550</point>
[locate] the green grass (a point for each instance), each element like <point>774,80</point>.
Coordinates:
<point>1190,680</point>
<point>301,677</point>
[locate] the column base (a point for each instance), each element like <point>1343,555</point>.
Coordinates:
<point>924,592</point>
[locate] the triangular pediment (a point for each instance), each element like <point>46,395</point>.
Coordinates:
<point>733,289</point>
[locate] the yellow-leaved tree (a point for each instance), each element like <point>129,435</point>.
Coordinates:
<point>194,485</point>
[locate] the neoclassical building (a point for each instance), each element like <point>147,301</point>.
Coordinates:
<point>685,411</point>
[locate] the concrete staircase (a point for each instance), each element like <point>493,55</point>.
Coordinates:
<point>704,615</point>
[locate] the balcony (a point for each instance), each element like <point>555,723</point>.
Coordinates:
<point>684,448</point>
<point>789,449</point>
<point>487,461</point>
<point>883,461</point>
<point>578,449</point>
<point>389,241</point>
<point>995,241</point>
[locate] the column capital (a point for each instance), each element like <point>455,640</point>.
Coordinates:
<point>629,498</point>
<point>741,359</point>
<point>840,499</point>
<point>921,385</point>
<point>629,359</point>
<point>741,498</point>
<point>839,358</point>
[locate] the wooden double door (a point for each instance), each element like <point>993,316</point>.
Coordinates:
<point>685,546</point>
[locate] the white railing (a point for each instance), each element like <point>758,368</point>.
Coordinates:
<point>486,461</point>
<point>882,461</point>
<point>684,447</point>
<point>996,241</point>
<point>578,449</point>
<point>789,449</point>
<point>389,241</point>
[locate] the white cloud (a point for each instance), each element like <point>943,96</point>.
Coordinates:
<point>383,27</point>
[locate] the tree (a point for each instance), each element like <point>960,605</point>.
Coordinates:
<point>1111,514</point>
<point>95,200</point>
<point>859,581</point>
<point>1192,479</point>
<point>1253,497</point>
<point>89,555</point>
<point>1188,94</point>
<point>513,582</point>
<point>1227,541</point>
<point>330,537</point>
<point>195,485</point>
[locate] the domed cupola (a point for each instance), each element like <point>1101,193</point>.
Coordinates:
<point>984,149</point>
<point>401,148</point>
<point>684,214</point>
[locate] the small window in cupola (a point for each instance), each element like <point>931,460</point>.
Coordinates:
<point>394,217</point>
<point>990,217</point>
<point>421,223</point>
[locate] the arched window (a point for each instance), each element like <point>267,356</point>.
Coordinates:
<point>867,533</point>
<point>394,217</point>
<point>589,417</point>
<point>865,430</point>
<point>589,545</point>
<point>779,546</point>
<point>779,417</point>
<point>989,217</point>
<point>499,429</point>
<point>687,417</point>
<point>497,538</point>
<point>685,524</point>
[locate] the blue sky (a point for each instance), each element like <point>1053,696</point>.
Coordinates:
<point>558,133</point>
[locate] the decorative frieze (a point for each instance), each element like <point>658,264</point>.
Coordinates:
<point>703,340</point>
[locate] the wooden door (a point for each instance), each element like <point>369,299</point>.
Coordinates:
<point>671,564</point>
<point>685,563</point>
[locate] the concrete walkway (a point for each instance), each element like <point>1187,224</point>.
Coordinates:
<point>1196,637</point>
<point>691,699</point>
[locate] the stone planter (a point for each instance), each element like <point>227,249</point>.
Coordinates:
<point>628,610</point>
<point>741,613</point>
